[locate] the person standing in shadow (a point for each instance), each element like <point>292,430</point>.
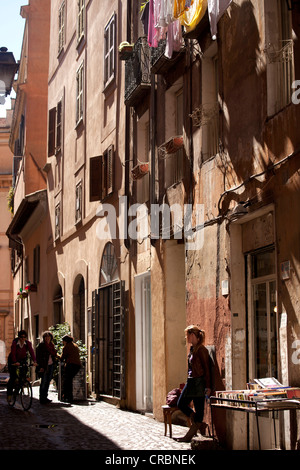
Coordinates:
<point>70,354</point>
<point>46,355</point>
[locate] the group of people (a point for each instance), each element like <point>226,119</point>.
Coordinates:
<point>44,360</point>
<point>197,387</point>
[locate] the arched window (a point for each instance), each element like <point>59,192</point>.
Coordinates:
<point>109,267</point>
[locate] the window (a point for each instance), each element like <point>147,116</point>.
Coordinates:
<point>102,175</point>
<point>173,156</point>
<point>263,340</point>
<point>80,21</point>
<point>78,203</point>
<point>79,94</point>
<point>210,107</point>
<point>57,221</point>
<point>279,55</point>
<point>61,27</point>
<point>36,265</point>
<point>55,121</point>
<point>109,51</point>
<point>143,152</point>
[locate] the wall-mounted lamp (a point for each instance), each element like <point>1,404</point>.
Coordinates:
<point>8,69</point>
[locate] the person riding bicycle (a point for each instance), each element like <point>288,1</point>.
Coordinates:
<point>19,349</point>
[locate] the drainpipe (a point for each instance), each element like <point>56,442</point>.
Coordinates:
<point>191,146</point>
<point>127,126</point>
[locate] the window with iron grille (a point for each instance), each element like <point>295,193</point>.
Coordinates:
<point>57,221</point>
<point>80,20</point>
<point>279,51</point>
<point>79,94</point>
<point>61,27</point>
<point>78,203</point>
<point>102,175</point>
<point>109,50</point>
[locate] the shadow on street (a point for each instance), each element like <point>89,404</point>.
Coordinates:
<point>48,427</point>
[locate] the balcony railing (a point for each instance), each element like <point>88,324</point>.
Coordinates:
<point>137,72</point>
<point>159,62</point>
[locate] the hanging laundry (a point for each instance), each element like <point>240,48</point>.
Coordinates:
<point>152,41</point>
<point>192,17</point>
<point>165,13</point>
<point>216,8</point>
<point>174,38</point>
<point>180,6</point>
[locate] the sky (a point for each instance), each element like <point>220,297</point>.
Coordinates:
<point>11,32</point>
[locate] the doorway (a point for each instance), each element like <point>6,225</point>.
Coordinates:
<point>108,329</point>
<point>262,329</point>
<point>143,334</point>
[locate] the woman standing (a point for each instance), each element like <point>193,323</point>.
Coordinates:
<point>46,355</point>
<point>70,354</point>
<point>198,382</point>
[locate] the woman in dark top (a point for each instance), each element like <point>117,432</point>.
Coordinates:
<point>198,382</point>
<point>70,354</point>
<point>46,355</point>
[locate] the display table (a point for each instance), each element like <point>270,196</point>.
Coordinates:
<point>259,401</point>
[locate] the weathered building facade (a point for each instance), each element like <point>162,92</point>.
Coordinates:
<point>172,187</point>
<point>6,291</point>
<point>232,102</point>
<point>28,230</point>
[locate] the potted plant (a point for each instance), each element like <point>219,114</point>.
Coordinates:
<point>30,287</point>
<point>140,170</point>
<point>22,294</point>
<point>174,144</point>
<point>125,50</point>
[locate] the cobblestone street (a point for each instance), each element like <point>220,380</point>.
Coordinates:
<point>88,425</point>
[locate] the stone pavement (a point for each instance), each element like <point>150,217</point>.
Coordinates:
<point>87,425</point>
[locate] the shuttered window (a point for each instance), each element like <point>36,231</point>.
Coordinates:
<point>58,127</point>
<point>102,175</point>
<point>55,121</point>
<point>51,131</point>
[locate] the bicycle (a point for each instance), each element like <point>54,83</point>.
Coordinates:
<point>22,387</point>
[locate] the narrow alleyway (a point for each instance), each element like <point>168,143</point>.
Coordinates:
<point>89,425</point>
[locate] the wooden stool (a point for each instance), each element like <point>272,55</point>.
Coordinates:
<point>167,412</point>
